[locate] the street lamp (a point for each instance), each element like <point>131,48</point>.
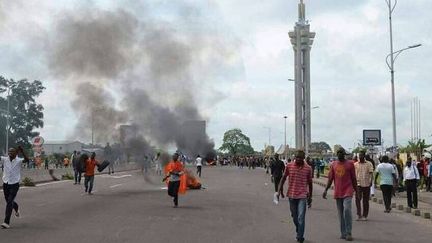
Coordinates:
<point>391,8</point>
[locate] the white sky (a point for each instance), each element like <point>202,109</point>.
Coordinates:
<point>350,80</point>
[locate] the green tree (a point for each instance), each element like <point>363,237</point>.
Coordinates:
<point>416,147</point>
<point>236,143</point>
<point>25,113</point>
<point>321,147</point>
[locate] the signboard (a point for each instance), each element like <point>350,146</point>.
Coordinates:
<point>372,137</point>
<point>38,141</point>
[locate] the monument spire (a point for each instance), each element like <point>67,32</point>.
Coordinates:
<point>302,11</point>
<point>302,40</point>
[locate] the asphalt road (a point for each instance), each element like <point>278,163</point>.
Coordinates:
<point>236,207</point>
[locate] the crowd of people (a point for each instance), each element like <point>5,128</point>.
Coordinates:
<point>353,179</point>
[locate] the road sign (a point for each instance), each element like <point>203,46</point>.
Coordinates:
<point>372,137</point>
<point>38,141</point>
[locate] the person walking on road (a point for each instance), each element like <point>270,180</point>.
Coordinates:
<point>90,174</point>
<point>11,178</point>
<point>175,171</point>
<point>277,168</point>
<point>388,180</point>
<point>77,167</point>
<point>299,192</point>
<point>342,172</point>
<point>198,163</point>
<point>411,178</point>
<point>364,175</point>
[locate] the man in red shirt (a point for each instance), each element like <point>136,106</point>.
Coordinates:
<point>89,174</point>
<point>342,172</point>
<point>299,192</point>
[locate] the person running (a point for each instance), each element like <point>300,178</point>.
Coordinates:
<point>388,180</point>
<point>411,178</point>
<point>198,163</point>
<point>299,192</point>
<point>174,172</point>
<point>11,178</point>
<point>277,168</point>
<point>342,172</point>
<point>364,175</point>
<point>90,174</point>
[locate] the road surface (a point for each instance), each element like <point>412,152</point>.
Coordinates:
<point>236,207</point>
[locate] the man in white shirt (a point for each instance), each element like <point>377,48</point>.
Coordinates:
<point>198,162</point>
<point>11,178</point>
<point>411,178</point>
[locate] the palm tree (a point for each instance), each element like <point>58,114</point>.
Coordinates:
<point>417,147</point>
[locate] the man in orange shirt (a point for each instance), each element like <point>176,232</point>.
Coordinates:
<point>89,173</point>
<point>175,174</point>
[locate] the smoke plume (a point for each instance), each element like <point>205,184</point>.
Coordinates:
<point>135,68</point>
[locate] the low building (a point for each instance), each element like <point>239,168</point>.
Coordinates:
<point>61,147</point>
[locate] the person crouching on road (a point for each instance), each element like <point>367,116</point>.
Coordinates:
<point>299,192</point>
<point>11,178</point>
<point>175,171</point>
<point>89,174</point>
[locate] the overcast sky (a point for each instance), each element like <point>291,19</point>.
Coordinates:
<point>349,78</point>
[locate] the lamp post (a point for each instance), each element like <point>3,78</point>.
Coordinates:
<point>390,63</point>
<point>393,55</point>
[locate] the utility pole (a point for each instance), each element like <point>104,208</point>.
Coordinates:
<point>393,55</point>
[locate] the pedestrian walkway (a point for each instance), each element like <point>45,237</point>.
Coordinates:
<point>400,201</point>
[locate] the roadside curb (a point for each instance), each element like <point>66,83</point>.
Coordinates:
<point>425,214</point>
<point>51,180</point>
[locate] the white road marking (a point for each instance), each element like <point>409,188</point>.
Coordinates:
<point>115,177</point>
<point>116,185</point>
<point>164,188</point>
<point>52,183</point>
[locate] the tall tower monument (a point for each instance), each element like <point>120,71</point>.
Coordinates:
<point>302,39</point>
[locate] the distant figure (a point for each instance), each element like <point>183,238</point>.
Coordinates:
<point>108,154</point>
<point>388,180</point>
<point>66,162</point>
<point>158,164</point>
<point>11,179</point>
<point>342,172</point>
<point>428,171</point>
<point>364,174</point>
<point>89,174</point>
<point>198,163</point>
<point>277,168</point>
<point>411,177</point>
<point>76,166</point>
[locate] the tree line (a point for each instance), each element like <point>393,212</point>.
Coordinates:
<point>25,112</point>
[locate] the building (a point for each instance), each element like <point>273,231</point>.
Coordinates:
<point>61,147</point>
